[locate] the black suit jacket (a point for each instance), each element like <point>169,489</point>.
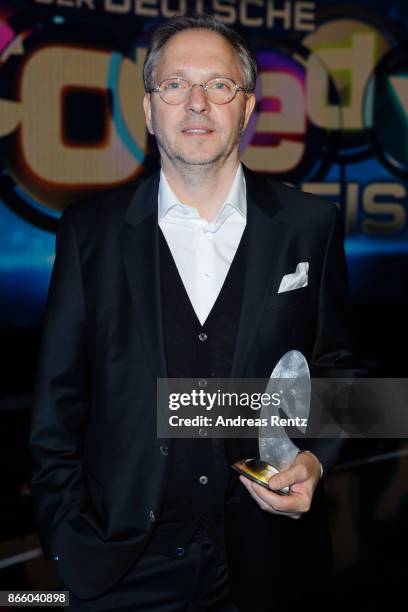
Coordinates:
<point>98,469</point>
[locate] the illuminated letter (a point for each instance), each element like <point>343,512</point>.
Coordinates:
<point>45,153</point>
<point>290,119</point>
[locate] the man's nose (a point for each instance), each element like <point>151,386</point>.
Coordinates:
<point>197,100</point>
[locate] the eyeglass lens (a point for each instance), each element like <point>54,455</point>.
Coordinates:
<point>219,90</point>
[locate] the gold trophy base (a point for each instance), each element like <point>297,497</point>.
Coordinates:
<point>259,471</point>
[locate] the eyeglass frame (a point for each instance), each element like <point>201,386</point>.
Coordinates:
<point>189,90</point>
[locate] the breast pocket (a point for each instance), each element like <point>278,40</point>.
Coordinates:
<point>287,299</point>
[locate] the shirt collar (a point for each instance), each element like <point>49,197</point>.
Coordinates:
<point>236,197</point>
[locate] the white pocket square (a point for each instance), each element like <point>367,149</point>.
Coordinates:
<point>295,280</point>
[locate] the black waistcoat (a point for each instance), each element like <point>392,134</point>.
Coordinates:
<point>199,470</point>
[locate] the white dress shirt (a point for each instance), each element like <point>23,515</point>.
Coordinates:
<point>203,250</point>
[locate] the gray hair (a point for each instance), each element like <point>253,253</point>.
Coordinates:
<point>198,21</point>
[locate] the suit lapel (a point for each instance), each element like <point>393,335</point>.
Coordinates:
<point>140,252</point>
<point>261,274</point>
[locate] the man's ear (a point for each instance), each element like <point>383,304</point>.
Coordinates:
<point>147,107</point>
<point>249,107</point>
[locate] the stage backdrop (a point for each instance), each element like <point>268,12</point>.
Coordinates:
<point>331,118</point>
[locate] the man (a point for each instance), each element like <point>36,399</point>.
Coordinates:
<point>179,277</point>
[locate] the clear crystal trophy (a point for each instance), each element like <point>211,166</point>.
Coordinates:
<point>291,378</point>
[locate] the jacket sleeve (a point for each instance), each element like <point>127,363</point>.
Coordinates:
<point>333,352</point>
<point>61,396</point>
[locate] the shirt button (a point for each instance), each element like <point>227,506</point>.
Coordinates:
<point>203,480</point>
<point>202,432</point>
<point>202,337</point>
<point>180,551</point>
<point>151,516</point>
<point>164,450</point>
<point>202,382</point>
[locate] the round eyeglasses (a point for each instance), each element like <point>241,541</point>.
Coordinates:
<point>219,90</point>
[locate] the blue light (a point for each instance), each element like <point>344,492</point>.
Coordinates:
<point>373,247</point>
<point>123,131</point>
<point>37,205</point>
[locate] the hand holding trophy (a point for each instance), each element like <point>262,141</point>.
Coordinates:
<point>276,449</point>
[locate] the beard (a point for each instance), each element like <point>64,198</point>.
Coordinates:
<point>178,156</point>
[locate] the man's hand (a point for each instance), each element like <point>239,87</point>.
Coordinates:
<point>302,476</point>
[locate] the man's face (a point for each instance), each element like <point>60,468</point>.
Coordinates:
<point>197,55</point>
